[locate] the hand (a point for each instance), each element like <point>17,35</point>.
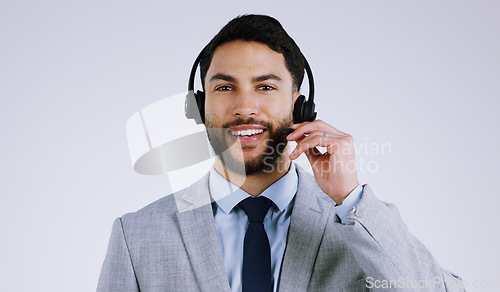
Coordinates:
<point>335,170</point>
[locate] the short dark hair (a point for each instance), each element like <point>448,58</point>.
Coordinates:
<point>258,28</point>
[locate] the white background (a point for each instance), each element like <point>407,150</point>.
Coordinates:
<point>422,76</point>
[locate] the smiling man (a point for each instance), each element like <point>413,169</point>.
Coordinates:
<point>257,221</point>
<point>247,89</point>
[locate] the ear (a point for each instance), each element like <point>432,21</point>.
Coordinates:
<point>294,97</point>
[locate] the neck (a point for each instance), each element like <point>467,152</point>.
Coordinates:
<point>256,183</point>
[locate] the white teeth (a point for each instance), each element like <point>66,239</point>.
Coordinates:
<point>247,132</point>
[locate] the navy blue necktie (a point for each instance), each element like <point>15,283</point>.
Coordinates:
<point>257,275</point>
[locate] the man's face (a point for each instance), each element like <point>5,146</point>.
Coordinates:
<point>249,99</point>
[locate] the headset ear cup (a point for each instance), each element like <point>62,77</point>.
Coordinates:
<point>298,109</point>
<point>191,107</point>
<point>309,114</point>
<point>200,102</point>
<point>194,107</point>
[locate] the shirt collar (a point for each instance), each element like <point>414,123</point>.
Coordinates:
<point>227,195</point>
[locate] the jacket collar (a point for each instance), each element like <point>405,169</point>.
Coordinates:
<point>308,220</point>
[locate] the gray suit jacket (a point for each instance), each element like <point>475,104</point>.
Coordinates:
<point>171,245</point>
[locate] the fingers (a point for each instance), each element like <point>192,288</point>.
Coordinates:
<point>312,141</point>
<point>309,127</point>
<point>330,168</point>
<point>311,153</point>
<point>309,135</point>
<point>322,133</point>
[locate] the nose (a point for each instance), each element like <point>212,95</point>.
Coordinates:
<point>245,105</point>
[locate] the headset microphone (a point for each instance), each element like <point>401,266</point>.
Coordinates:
<point>303,110</point>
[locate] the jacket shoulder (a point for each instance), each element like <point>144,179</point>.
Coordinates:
<point>165,207</point>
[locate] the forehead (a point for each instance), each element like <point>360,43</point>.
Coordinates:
<point>247,59</point>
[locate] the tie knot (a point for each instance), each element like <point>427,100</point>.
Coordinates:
<point>256,208</point>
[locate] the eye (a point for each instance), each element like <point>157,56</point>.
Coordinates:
<point>223,88</point>
<point>266,87</point>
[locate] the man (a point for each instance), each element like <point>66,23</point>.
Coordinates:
<point>315,233</point>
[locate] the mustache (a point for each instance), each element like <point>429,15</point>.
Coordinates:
<point>241,121</point>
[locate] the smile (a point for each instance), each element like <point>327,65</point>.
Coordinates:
<point>247,133</point>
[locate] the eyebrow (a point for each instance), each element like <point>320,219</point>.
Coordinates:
<point>224,77</point>
<point>230,78</point>
<point>266,77</point>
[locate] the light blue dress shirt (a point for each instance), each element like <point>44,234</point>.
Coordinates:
<point>231,223</point>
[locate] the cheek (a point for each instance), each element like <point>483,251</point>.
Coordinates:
<point>211,119</point>
<point>282,108</point>
<point>212,112</point>
<point>214,118</point>
<point>216,105</point>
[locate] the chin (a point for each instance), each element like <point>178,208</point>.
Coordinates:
<point>250,166</point>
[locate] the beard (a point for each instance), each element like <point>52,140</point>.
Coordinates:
<point>266,161</point>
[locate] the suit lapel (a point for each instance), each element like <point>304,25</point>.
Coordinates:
<point>196,222</point>
<point>307,224</point>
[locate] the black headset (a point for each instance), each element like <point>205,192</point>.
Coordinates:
<point>303,111</point>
